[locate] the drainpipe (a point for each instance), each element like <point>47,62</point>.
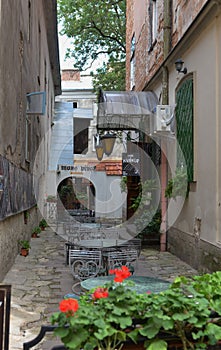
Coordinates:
<point>165,101</point>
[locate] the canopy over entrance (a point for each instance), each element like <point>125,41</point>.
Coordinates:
<point>118,110</point>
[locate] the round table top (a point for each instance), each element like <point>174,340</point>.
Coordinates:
<point>142,284</point>
<point>100,243</point>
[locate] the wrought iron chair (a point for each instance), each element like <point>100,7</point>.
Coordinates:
<point>84,263</point>
<point>127,257</point>
<point>134,243</point>
<point>43,331</point>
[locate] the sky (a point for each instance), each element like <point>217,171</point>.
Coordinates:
<point>64,43</point>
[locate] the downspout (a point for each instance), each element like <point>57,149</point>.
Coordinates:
<point>165,101</point>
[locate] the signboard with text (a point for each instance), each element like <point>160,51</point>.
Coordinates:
<point>130,164</point>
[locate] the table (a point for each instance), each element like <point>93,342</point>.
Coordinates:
<point>100,243</point>
<point>142,284</point>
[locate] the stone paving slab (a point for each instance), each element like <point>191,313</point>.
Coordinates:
<point>40,280</point>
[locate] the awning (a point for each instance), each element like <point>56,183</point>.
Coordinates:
<point>119,110</point>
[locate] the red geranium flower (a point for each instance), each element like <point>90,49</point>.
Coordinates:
<point>120,274</point>
<point>100,293</point>
<point>69,306</point>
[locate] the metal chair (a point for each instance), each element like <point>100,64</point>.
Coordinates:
<point>134,243</point>
<point>84,263</point>
<point>127,257</point>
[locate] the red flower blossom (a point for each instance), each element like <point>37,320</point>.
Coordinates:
<point>69,306</point>
<point>120,274</point>
<point>100,293</point>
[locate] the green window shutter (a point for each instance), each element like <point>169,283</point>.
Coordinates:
<point>184,121</point>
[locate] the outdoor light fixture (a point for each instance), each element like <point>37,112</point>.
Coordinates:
<point>104,144</point>
<point>99,151</point>
<point>99,147</point>
<point>179,66</point>
<point>108,141</point>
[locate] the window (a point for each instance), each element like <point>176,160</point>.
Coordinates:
<point>153,23</point>
<point>184,124</point>
<point>132,63</point>
<point>75,105</point>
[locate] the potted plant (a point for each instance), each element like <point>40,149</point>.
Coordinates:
<point>185,316</point>
<point>43,224</point>
<point>178,185</point>
<point>24,247</point>
<point>35,232</point>
<point>26,216</point>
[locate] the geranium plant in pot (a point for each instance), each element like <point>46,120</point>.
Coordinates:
<point>185,316</point>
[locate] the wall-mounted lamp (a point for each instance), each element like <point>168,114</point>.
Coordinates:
<point>179,66</point>
<point>104,144</point>
<point>108,141</point>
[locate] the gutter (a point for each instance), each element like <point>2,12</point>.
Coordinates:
<point>165,101</point>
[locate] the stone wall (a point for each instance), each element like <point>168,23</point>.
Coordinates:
<point>198,253</point>
<point>12,230</point>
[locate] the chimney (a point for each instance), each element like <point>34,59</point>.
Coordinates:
<point>70,74</point>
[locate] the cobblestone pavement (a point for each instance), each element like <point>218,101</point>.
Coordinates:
<point>40,280</point>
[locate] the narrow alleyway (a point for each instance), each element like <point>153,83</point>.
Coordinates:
<point>40,281</point>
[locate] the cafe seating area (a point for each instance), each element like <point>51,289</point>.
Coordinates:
<point>91,251</point>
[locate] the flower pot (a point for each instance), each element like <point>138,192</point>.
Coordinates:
<point>24,252</point>
<point>34,235</point>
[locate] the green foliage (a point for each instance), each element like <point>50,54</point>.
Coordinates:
<point>43,223</point>
<point>66,191</point>
<point>111,76</point>
<point>184,312</point>
<point>96,28</point>
<point>51,199</point>
<point>147,211</point>
<point>147,190</point>
<point>123,184</point>
<point>154,223</point>
<point>26,214</point>
<point>24,244</point>
<point>178,185</point>
<point>36,229</point>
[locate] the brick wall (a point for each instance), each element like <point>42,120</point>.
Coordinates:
<point>70,74</point>
<point>150,57</point>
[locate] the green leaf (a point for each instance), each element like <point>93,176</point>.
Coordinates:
<point>158,345</point>
<point>61,332</point>
<point>214,330</point>
<point>77,339</point>
<point>179,316</point>
<point>149,331</point>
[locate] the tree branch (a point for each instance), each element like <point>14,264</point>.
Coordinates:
<point>109,36</point>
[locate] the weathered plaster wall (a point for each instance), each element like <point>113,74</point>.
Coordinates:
<point>195,37</point>
<point>28,63</point>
